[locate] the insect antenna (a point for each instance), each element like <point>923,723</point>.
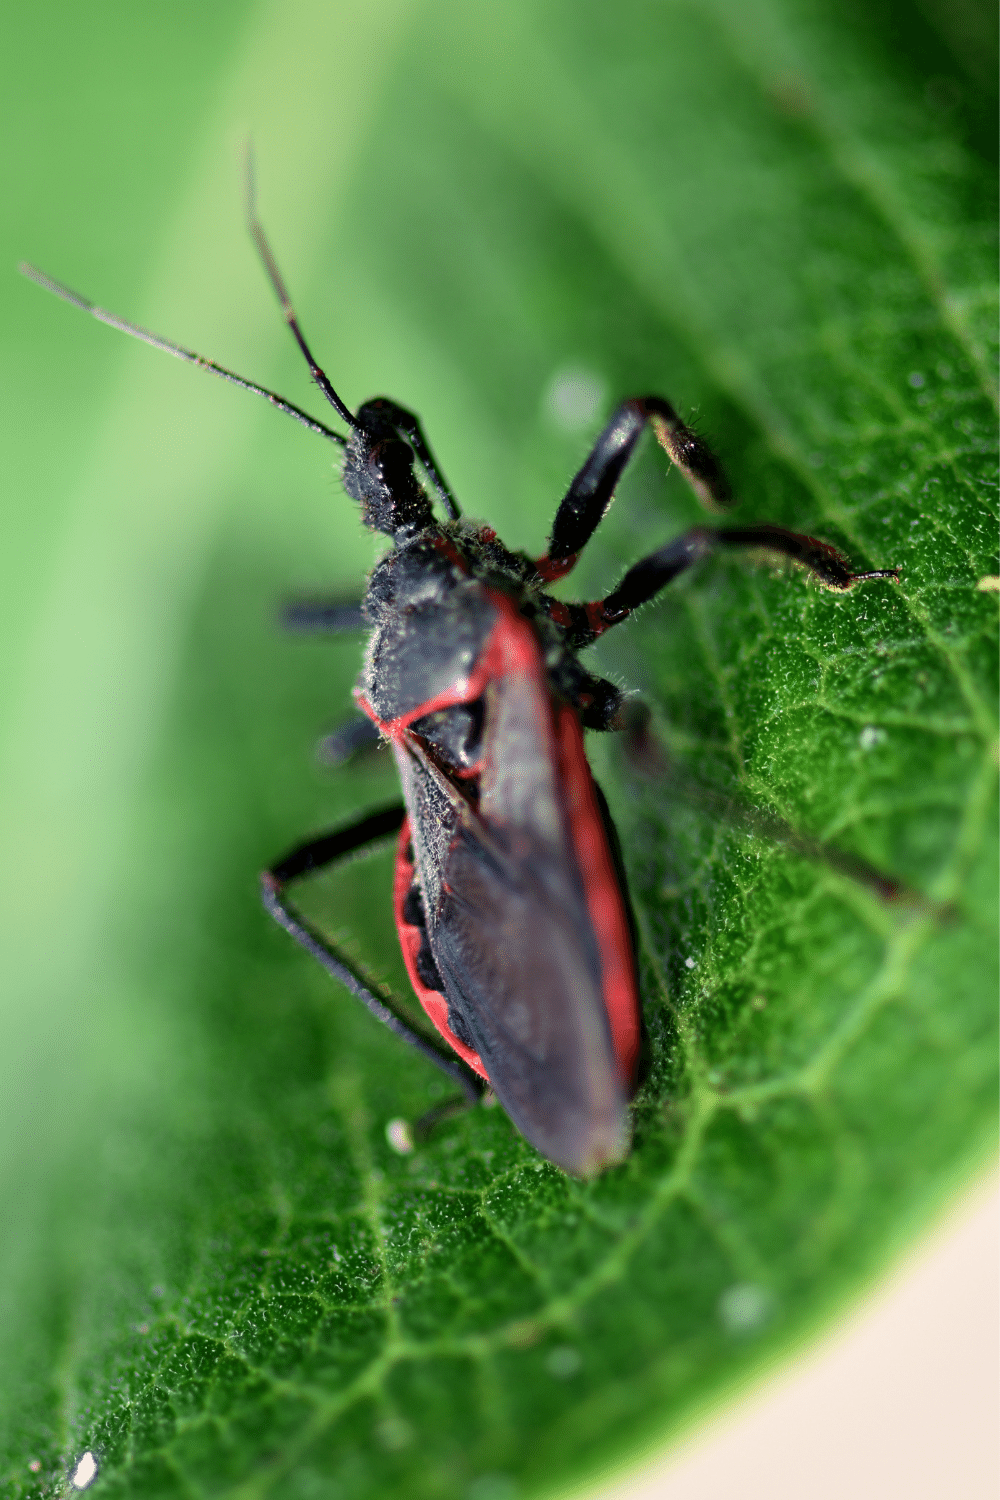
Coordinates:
<point>274,276</point>
<point>188,355</point>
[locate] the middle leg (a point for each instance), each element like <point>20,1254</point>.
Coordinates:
<point>585,622</point>
<point>319,854</point>
<point>323,617</point>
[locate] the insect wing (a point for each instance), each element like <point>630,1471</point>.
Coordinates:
<point>509,950</point>
<point>512,938</point>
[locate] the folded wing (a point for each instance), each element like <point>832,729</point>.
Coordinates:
<point>512,937</point>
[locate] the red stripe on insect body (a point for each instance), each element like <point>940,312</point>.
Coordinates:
<point>465,690</point>
<point>512,649</point>
<point>410,938</point>
<point>604,897</point>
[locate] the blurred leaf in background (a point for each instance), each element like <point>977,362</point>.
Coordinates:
<point>215,1274</point>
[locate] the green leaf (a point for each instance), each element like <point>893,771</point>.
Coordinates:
<point>217,1276</point>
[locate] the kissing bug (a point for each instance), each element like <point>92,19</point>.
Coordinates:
<point>510,896</point>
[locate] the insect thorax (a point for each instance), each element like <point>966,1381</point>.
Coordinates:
<point>429,602</point>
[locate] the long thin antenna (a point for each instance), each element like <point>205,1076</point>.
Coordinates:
<point>274,276</point>
<point>188,355</point>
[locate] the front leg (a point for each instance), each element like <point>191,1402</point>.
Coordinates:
<point>592,489</point>
<point>583,623</point>
<point>318,854</point>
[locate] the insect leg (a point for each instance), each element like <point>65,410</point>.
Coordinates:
<point>649,759</point>
<point>597,701</point>
<point>603,706</point>
<point>349,739</point>
<point>408,423</point>
<point>322,617</point>
<point>592,489</point>
<point>646,577</point>
<point>318,854</point>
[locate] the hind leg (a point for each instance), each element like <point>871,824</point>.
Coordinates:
<point>322,853</point>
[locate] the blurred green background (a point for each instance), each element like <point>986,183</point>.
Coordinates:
<point>781,214</point>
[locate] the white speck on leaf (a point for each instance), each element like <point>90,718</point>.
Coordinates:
<point>399,1136</point>
<point>563,1362</point>
<point>394,1433</point>
<point>85,1472</point>
<point>744,1307</point>
<point>493,1487</point>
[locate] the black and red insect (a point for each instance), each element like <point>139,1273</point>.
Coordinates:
<point>510,896</point>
